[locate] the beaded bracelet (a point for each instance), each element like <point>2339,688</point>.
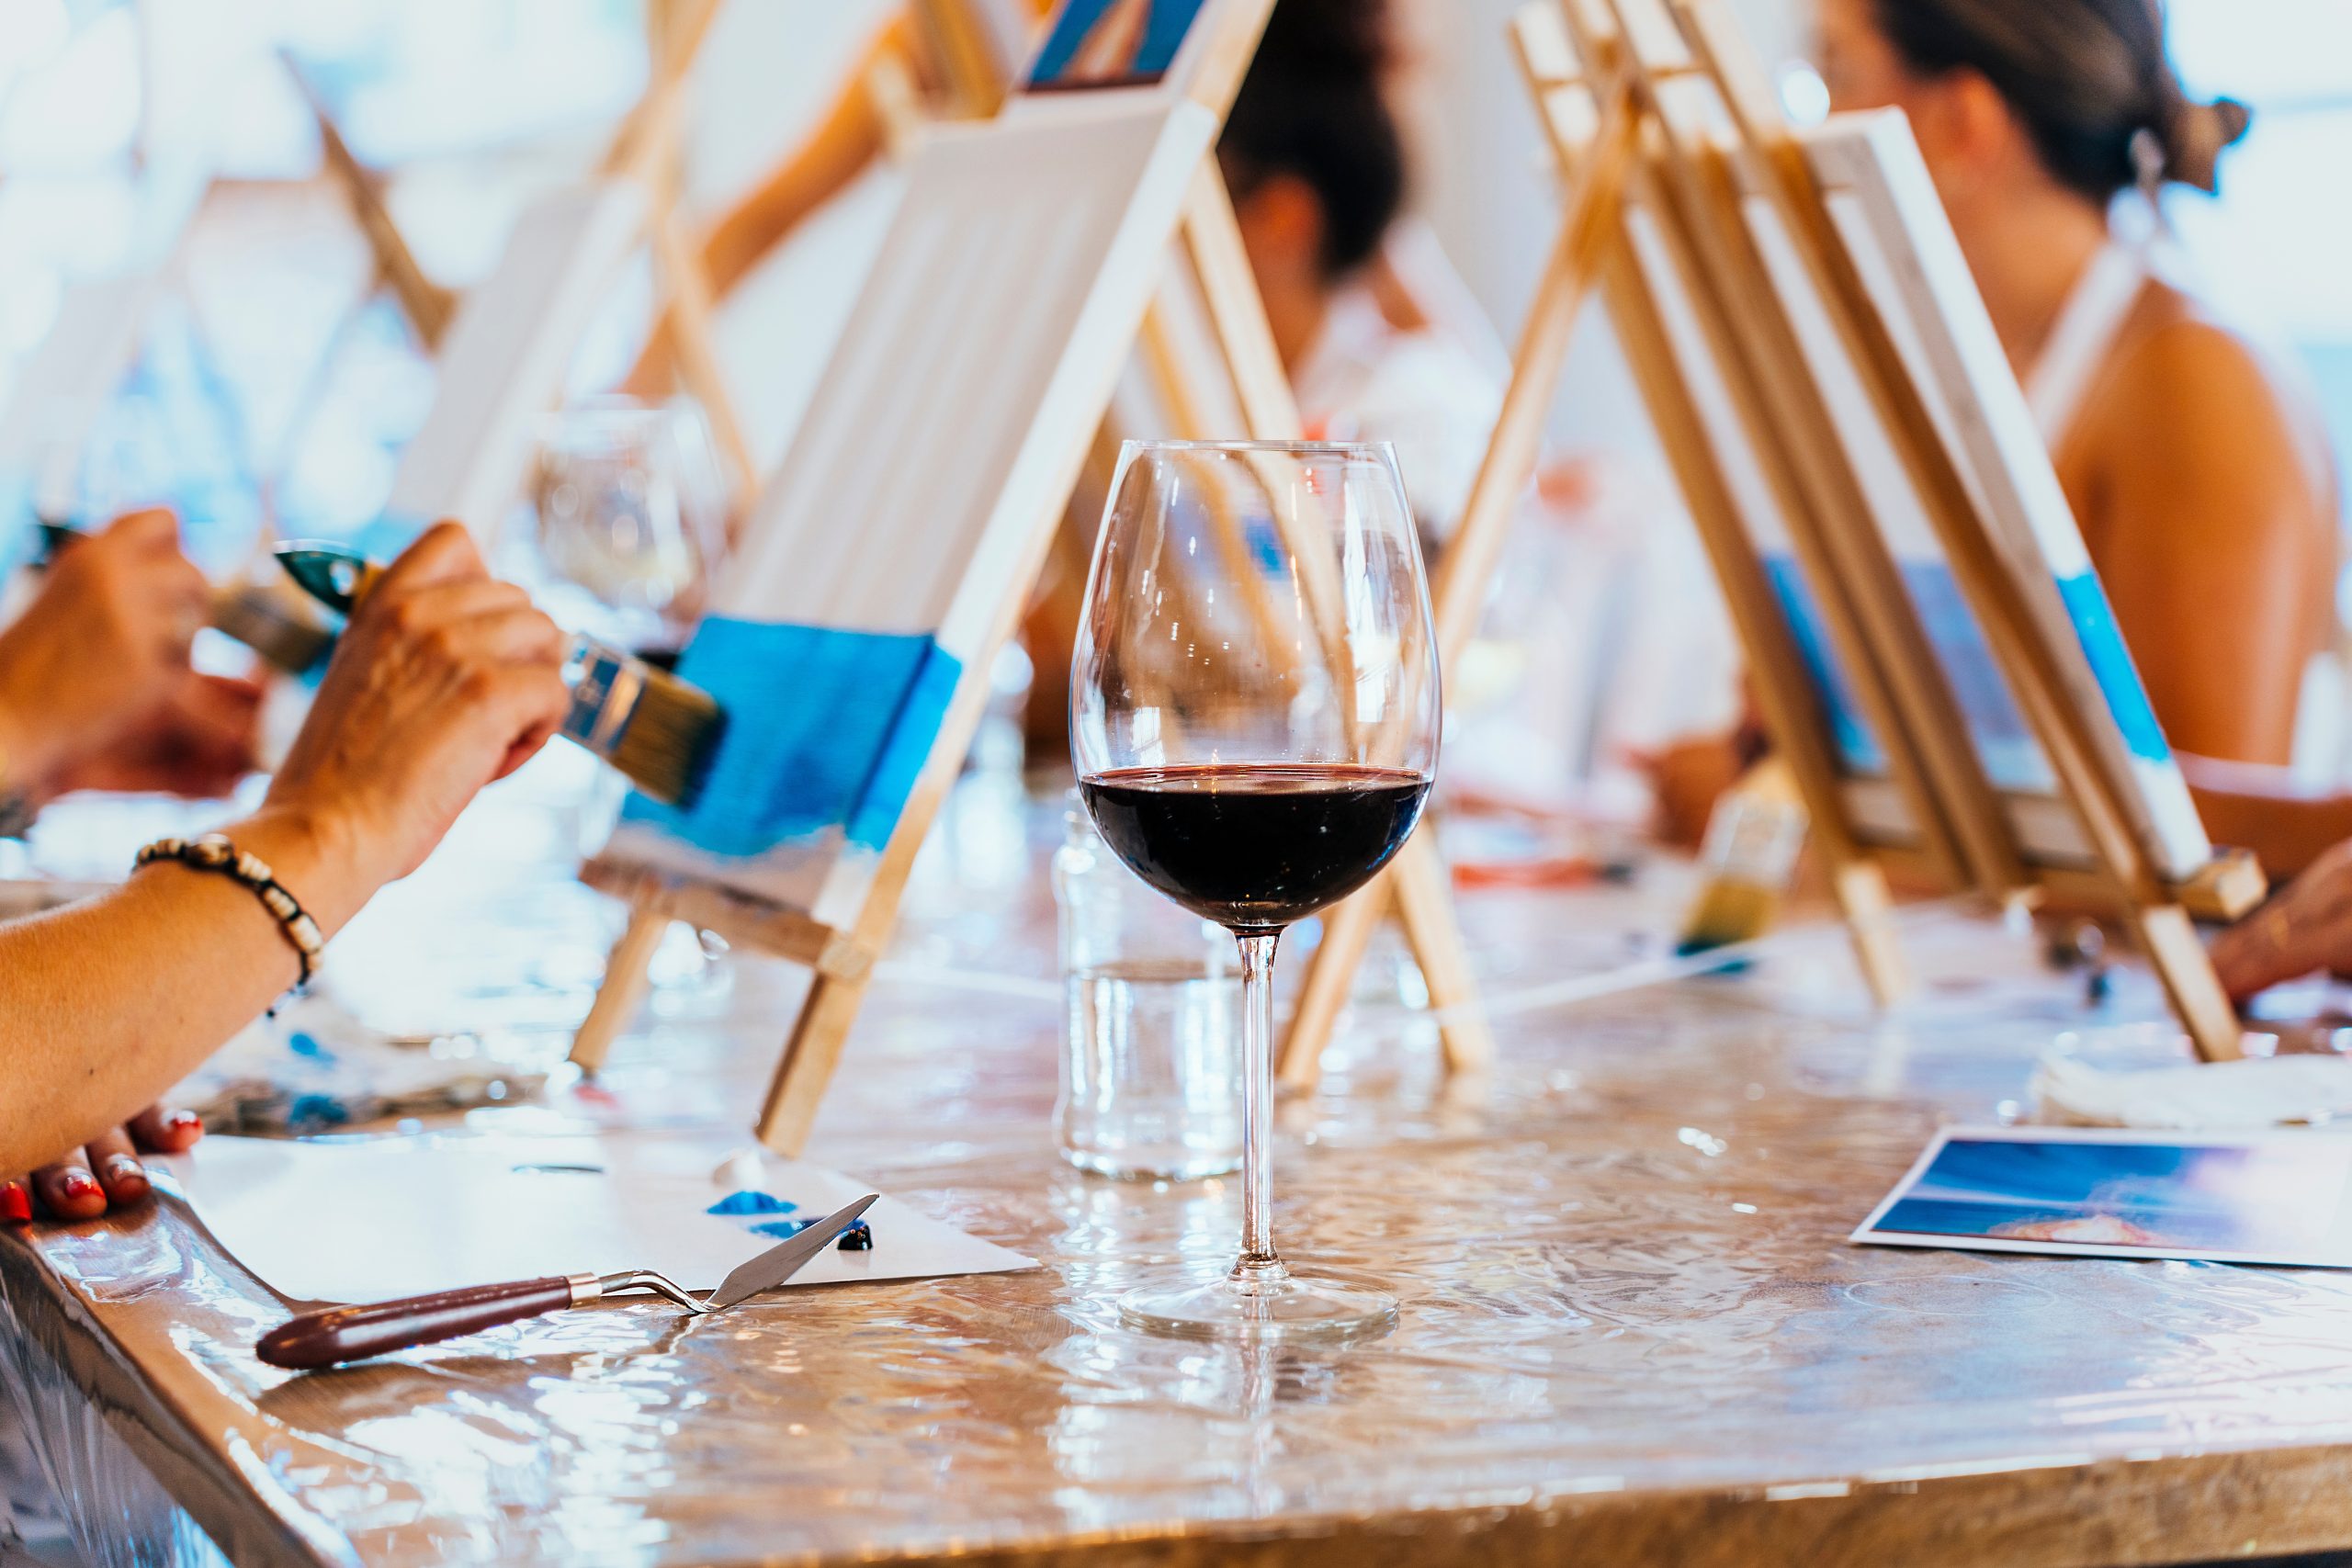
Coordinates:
<point>218,852</point>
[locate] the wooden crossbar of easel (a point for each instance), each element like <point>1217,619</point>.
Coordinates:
<point>427,305</point>
<point>1659,119</point>
<point>1209,242</point>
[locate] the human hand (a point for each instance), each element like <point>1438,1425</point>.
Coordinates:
<point>2305,928</point>
<point>100,651</point>
<point>103,1173</point>
<point>447,679</point>
<point>198,745</point>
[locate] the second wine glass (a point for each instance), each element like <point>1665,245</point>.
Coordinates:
<point>1254,710</point>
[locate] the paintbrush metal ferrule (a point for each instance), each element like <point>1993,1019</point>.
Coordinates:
<point>604,696</point>
<point>658,730</point>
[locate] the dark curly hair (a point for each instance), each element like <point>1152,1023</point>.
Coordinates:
<point>2089,78</point>
<point>1314,106</point>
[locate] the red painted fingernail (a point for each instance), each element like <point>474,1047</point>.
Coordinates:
<point>15,1203</point>
<point>181,1121</point>
<point>76,1185</point>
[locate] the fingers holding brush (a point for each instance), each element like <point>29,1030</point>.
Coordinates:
<point>445,681</point>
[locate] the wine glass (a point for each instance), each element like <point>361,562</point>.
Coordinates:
<point>633,508</point>
<point>1254,714</point>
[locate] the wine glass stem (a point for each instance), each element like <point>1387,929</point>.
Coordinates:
<point>1259,1264</point>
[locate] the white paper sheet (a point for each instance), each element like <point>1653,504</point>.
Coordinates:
<point>2260,1091</point>
<point>371,1219</point>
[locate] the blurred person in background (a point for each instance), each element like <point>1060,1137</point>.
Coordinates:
<point>1316,156</point>
<point>2196,467</point>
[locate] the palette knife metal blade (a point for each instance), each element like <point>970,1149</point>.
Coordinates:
<point>780,1263</point>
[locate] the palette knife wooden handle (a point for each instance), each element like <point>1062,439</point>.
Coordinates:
<point>343,1334</point>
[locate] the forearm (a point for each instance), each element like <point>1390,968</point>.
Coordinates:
<point>106,1005</point>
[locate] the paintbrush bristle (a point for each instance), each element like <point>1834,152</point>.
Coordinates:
<point>666,746</point>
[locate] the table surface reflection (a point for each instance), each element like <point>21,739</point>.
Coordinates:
<point>1632,1328</point>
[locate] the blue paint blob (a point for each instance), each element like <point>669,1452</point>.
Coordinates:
<point>303,1044</point>
<point>782,1230</point>
<point>749,1202</point>
<point>316,1110</point>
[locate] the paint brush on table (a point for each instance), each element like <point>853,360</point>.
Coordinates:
<point>261,619</point>
<point>344,1334</point>
<point>656,728</point>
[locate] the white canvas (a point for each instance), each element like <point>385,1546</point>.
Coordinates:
<point>375,1219</point>
<point>920,488</point>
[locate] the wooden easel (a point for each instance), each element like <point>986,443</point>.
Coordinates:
<point>1666,132</point>
<point>427,305</point>
<point>841,955</point>
<point>469,458</point>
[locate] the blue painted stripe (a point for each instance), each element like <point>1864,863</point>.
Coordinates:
<point>2111,665</point>
<point>826,730</point>
<point>2004,742</point>
<point>19,541</point>
<point>1858,748</point>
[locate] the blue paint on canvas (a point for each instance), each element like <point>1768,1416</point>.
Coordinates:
<point>1858,748</point>
<point>826,730</point>
<point>2111,665</point>
<point>2004,741</point>
<point>19,539</point>
<point>751,1201</point>
<point>1998,727</point>
<point>1162,39</point>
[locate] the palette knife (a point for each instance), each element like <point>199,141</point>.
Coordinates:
<point>336,1334</point>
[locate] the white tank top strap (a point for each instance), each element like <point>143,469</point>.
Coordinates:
<point>2084,336</point>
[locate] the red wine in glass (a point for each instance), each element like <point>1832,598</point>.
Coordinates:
<point>1255,714</point>
<point>1256,847</point>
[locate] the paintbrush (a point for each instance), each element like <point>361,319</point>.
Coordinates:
<point>274,626</point>
<point>654,728</point>
<point>1750,857</point>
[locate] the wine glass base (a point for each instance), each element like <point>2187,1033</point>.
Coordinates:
<point>1260,1313</point>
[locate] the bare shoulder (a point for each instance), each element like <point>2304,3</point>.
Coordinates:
<point>2181,360</point>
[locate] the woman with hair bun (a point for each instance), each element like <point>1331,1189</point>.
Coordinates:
<point>2197,472</point>
<point>1316,157</point>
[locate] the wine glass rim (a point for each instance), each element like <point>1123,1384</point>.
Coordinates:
<point>1377,451</point>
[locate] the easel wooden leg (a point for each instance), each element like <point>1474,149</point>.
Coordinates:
<point>629,975</point>
<point>1423,888</point>
<point>1416,884</point>
<point>811,1056</point>
<point>2180,961</point>
<point>690,340</point>
<point>1417,890</point>
<point>1860,888</point>
<point>1347,936</point>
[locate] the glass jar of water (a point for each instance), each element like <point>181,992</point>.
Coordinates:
<point>1152,1059</point>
